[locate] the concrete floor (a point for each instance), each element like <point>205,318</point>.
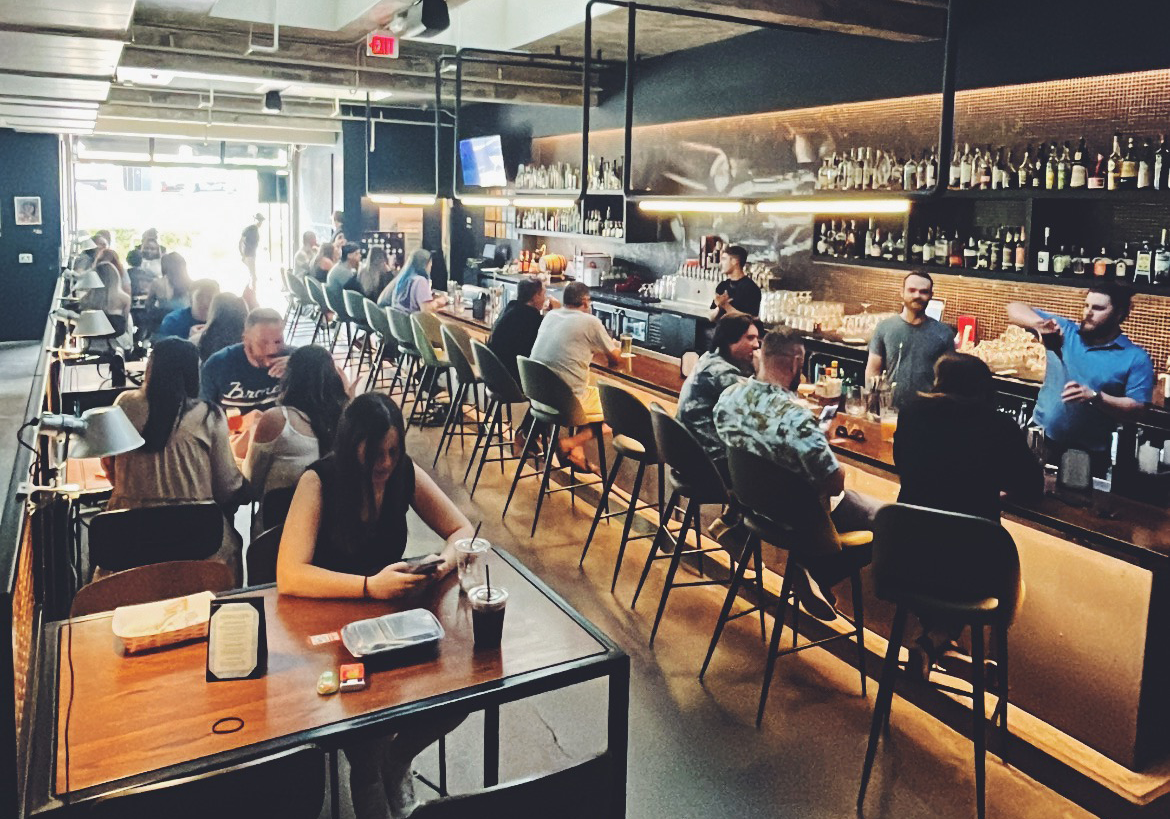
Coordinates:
<point>694,748</point>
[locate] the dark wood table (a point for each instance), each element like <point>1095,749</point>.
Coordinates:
<point>145,718</point>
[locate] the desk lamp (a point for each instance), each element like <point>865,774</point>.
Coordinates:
<point>96,433</point>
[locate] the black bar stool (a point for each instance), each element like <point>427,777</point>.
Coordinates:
<point>457,345</point>
<point>696,479</point>
<point>552,404</point>
<point>633,438</point>
<point>408,360</point>
<point>782,509</point>
<point>434,363</point>
<point>502,392</point>
<point>955,569</point>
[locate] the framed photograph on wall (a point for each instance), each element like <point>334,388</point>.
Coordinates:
<point>28,210</point>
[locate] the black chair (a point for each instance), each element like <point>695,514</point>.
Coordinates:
<point>953,568</point>
<point>355,308</point>
<point>274,506</point>
<point>695,478</point>
<point>127,538</point>
<point>553,406</point>
<point>783,509</point>
<point>158,581</point>
<point>502,393</point>
<point>457,345</point>
<point>633,438</point>
<point>260,557</point>
<point>290,785</point>
<point>408,356</point>
<point>377,318</point>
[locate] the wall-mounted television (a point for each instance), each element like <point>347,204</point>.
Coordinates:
<point>482,160</point>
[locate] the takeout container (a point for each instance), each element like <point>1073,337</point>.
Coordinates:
<point>163,622</point>
<point>391,633</point>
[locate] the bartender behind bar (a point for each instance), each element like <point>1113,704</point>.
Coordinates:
<point>737,293</point>
<point>906,346</point>
<point>1095,376</point>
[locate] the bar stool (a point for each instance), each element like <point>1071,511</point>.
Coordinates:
<point>696,479</point>
<point>633,438</point>
<point>434,363</point>
<point>952,568</point>
<point>457,346</point>
<point>316,292</point>
<point>782,508</point>
<point>336,303</point>
<point>380,325</point>
<point>408,359</point>
<point>355,308</point>
<point>554,405</point>
<point>301,300</point>
<point>502,392</point>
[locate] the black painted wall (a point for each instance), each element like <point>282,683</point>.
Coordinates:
<point>28,167</point>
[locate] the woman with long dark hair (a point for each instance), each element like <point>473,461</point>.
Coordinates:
<point>323,262</point>
<point>301,429</point>
<point>376,273</point>
<point>169,292</point>
<point>344,537</point>
<point>186,457</point>
<point>112,300</point>
<point>225,325</point>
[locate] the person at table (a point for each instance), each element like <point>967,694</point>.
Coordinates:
<point>246,376</point>
<point>112,300</point>
<point>516,329</point>
<point>905,346</point>
<point>181,322</point>
<point>737,294</point>
<point>1096,376</point>
<point>152,252</point>
<point>763,415</point>
<point>344,275</point>
<point>323,262</point>
<point>376,273</point>
<point>566,342</point>
<point>344,537</point>
<point>411,289</point>
<point>305,255</point>
<point>729,361</point>
<point>301,428</point>
<point>186,457</point>
<point>140,277</point>
<point>954,451</point>
<point>169,292</point>
<point>225,325</point>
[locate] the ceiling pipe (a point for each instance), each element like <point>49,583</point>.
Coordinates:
<point>275,47</point>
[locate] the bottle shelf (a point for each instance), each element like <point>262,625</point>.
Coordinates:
<point>560,235</point>
<point>1018,194</point>
<point>560,193</point>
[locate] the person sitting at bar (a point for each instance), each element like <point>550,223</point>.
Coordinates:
<point>304,257</point>
<point>410,291</point>
<point>762,415</point>
<point>954,451</point>
<point>186,457</point>
<point>376,273</point>
<point>323,262</point>
<point>300,429</point>
<point>169,292</point>
<point>566,342</point>
<point>1095,376</point>
<point>140,277</point>
<point>906,346</point>
<point>108,254</point>
<point>728,362</point>
<point>344,537</point>
<point>152,252</point>
<point>344,275</point>
<point>181,322</point>
<point>737,294</point>
<point>246,376</point>
<point>225,325</point>
<point>115,302</point>
<point>516,329</point>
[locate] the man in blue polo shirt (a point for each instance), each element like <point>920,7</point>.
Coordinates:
<point>1095,378</point>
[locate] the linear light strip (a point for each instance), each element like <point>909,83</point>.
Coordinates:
<point>690,206</point>
<point>834,206</point>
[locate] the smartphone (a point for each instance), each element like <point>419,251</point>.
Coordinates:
<point>424,564</point>
<point>828,413</point>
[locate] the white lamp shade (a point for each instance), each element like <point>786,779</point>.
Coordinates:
<point>93,324</point>
<point>90,280</point>
<point>100,432</point>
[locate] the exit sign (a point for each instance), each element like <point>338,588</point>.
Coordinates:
<point>381,44</point>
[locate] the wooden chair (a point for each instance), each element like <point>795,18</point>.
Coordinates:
<point>260,557</point>
<point>158,581</point>
<point>127,538</point>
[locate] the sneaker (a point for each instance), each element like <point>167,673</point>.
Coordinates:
<point>816,601</point>
<point>400,796</point>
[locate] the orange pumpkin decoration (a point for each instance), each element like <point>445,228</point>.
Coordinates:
<point>554,264</point>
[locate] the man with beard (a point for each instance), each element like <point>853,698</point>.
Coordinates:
<point>763,416</point>
<point>907,345</point>
<point>1095,376</point>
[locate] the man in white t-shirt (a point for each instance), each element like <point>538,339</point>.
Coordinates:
<point>567,341</point>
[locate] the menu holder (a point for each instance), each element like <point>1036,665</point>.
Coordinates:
<point>237,640</point>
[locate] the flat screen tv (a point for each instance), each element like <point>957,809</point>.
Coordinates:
<point>482,160</point>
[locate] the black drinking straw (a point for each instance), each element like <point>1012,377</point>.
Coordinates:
<point>488,571</point>
<point>475,537</point>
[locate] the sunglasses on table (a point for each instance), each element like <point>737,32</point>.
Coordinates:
<point>856,433</point>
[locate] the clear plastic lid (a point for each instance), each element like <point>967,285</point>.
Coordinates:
<point>391,632</point>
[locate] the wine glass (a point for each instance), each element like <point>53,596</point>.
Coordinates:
<point>865,305</point>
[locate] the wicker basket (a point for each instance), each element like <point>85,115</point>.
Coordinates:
<point>163,622</point>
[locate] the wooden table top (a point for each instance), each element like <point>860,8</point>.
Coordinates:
<point>88,474</point>
<point>137,714</point>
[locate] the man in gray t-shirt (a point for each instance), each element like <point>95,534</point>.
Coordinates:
<point>907,345</point>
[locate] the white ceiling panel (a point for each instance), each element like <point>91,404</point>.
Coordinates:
<point>100,15</point>
<point>58,54</point>
<point>45,119</point>
<point>19,85</point>
<point>47,111</point>
<point>47,103</point>
<point>54,129</point>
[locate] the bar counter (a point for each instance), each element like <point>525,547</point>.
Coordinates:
<point>1087,648</point>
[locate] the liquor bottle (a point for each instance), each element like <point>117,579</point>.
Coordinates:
<point>1024,171</point>
<point>954,174</point>
<point>916,252</point>
<point>1124,264</point>
<point>886,251</point>
<point>867,170</point>
<point>1161,164</point>
<point>995,249</point>
<point>1050,168</point>
<point>931,172</point>
<point>822,246</point>
<point>1021,260</point>
<point>1078,174</point>
<point>955,250</point>
<point>1063,167</point>
<point>1113,173</point>
<point>1102,263</point>
<point>970,253</point>
<point>910,174</point>
<point>982,178</point>
<point>1007,255</point>
<point>1007,171</point>
<point>900,246</point>
<point>1038,167</point>
<point>839,239</point>
<point>1097,177</point>
<point>1145,165</point>
<point>883,172</point>
<point>1044,254</point>
<point>941,247</point>
<point>927,249</point>
<point>1061,260</point>
<point>966,168</point>
<point>851,250</point>
<point>1143,262</point>
<point>1162,261</point>
<point>1127,177</point>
